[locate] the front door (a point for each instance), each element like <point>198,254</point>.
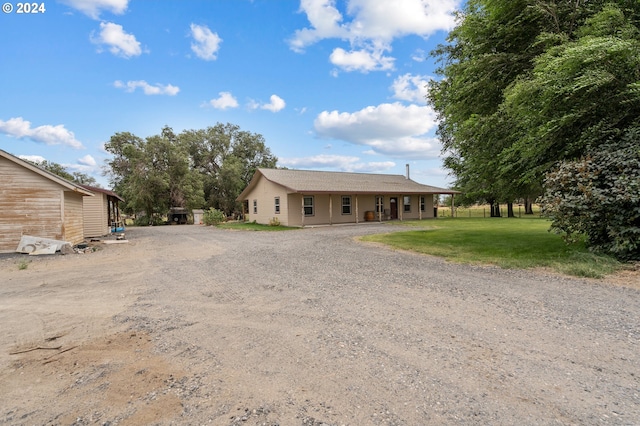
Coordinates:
<point>393,201</point>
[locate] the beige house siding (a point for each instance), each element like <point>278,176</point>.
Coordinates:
<point>327,190</point>
<point>96,221</point>
<point>264,195</point>
<point>360,204</point>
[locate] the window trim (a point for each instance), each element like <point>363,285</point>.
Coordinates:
<point>379,204</point>
<point>255,206</point>
<point>276,205</point>
<point>343,205</point>
<point>406,207</point>
<point>423,203</point>
<point>311,206</point>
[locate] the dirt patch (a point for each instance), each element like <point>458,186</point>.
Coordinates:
<point>191,325</point>
<point>113,379</point>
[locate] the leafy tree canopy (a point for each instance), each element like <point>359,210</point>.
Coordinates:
<point>60,170</point>
<point>206,168</point>
<point>526,83</point>
<point>537,87</point>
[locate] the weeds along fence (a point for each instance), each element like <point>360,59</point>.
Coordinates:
<point>485,211</point>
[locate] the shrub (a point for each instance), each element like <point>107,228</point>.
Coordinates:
<point>213,217</point>
<point>274,221</point>
<point>141,221</point>
<point>598,197</point>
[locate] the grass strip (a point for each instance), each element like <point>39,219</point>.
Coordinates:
<point>520,243</point>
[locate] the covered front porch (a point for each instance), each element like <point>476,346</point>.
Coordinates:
<point>307,209</point>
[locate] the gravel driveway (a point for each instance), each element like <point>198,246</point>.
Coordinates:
<point>194,325</point>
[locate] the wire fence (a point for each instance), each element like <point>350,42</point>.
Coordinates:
<point>485,211</point>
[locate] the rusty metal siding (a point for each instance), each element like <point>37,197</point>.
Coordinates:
<point>32,205</point>
<point>96,221</point>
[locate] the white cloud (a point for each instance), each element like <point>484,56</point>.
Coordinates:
<point>419,55</point>
<point>370,27</point>
<point>411,88</point>
<point>336,162</point>
<point>33,158</point>
<point>86,164</point>
<point>388,19</point>
<point>206,44</point>
<point>325,23</point>
<point>120,43</point>
<point>361,60</point>
<point>88,160</point>
<point>225,100</point>
<point>148,89</point>
<point>391,129</point>
<point>276,104</point>
<point>47,134</point>
<point>92,8</point>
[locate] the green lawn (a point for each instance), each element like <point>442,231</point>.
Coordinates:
<point>508,243</point>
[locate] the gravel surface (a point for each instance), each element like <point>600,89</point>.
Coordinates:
<point>195,325</point>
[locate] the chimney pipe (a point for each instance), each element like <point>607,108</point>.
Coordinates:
<point>407,176</point>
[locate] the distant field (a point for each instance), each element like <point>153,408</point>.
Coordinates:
<point>485,211</point>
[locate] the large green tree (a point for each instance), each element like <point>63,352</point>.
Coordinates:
<point>496,45</point>
<point>195,168</point>
<point>532,86</point>
<point>153,174</point>
<point>227,157</point>
<point>580,94</point>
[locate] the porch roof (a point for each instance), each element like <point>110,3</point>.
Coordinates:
<point>310,181</point>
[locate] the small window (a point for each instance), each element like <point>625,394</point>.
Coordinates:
<point>407,203</point>
<point>255,206</point>
<point>346,205</point>
<point>277,205</point>
<point>422,203</point>
<point>379,204</point>
<point>308,205</point>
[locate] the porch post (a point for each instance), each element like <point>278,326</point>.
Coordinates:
<point>453,204</point>
<point>302,208</point>
<point>420,197</point>
<point>379,208</point>
<point>401,206</point>
<point>356,208</point>
<point>330,209</point>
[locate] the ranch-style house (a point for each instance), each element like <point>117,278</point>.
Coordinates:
<point>306,198</point>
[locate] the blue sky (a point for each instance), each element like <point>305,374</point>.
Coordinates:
<point>330,84</point>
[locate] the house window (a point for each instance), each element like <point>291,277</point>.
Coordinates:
<point>379,204</point>
<point>308,205</point>
<point>346,204</point>
<point>422,203</point>
<point>255,206</point>
<point>407,203</point>
<point>277,205</point>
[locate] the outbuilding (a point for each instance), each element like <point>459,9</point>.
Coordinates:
<point>306,197</point>
<point>101,213</point>
<point>38,203</point>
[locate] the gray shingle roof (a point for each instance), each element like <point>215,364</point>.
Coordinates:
<point>308,181</point>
